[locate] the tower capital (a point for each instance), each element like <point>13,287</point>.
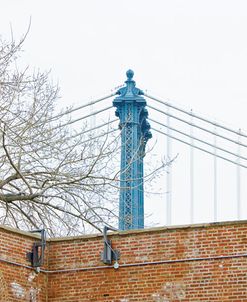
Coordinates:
<point>130,91</point>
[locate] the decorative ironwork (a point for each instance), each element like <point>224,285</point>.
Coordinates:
<point>135,133</point>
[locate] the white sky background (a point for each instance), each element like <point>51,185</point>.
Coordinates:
<point>192,52</point>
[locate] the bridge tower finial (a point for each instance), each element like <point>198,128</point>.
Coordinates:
<point>135,132</point>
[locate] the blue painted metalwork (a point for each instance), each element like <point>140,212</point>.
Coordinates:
<point>135,132</point>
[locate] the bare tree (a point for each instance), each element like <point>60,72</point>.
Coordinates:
<point>49,176</point>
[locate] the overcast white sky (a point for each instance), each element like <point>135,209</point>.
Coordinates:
<point>192,52</point>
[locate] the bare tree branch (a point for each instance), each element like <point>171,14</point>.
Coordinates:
<point>51,175</point>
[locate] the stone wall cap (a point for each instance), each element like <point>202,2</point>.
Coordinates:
<point>149,230</point>
<point>127,232</point>
<point>19,232</point>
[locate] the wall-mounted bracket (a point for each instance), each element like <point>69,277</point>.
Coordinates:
<point>108,254</point>
<point>36,256</point>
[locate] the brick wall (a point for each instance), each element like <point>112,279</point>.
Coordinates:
<point>18,283</point>
<point>194,263</point>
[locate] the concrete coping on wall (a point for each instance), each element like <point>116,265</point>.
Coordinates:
<point>18,231</point>
<point>151,230</point>
<point>127,232</point>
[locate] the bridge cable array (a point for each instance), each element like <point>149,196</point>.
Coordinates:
<point>198,139</point>
<point>218,148</point>
<point>195,115</point>
<point>199,148</point>
<point>199,127</point>
<point>192,137</point>
<point>82,106</point>
<point>109,131</point>
<point>81,118</point>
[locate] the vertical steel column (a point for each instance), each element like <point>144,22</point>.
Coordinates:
<point>135,132</point>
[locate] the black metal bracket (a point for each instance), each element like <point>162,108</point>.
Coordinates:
<point>36,256</point>
<point>108,254</point>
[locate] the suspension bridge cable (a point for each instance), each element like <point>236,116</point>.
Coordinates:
<point>77,134</point>
<point>95,128</point>
<point>199,127</point>
<point>82,106</point>
<point>81,118</point>
<point>91,138</point>
<point>195,115</point>
<point>199,140</point>
<point>201,149</point>
<point>55,117</point>
<point>98,136</point>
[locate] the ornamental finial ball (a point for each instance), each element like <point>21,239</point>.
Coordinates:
<point>130,74</point>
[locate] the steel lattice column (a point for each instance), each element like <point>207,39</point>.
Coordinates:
<point>135,132</point>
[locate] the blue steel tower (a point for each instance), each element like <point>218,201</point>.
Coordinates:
<point>135,132</point>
